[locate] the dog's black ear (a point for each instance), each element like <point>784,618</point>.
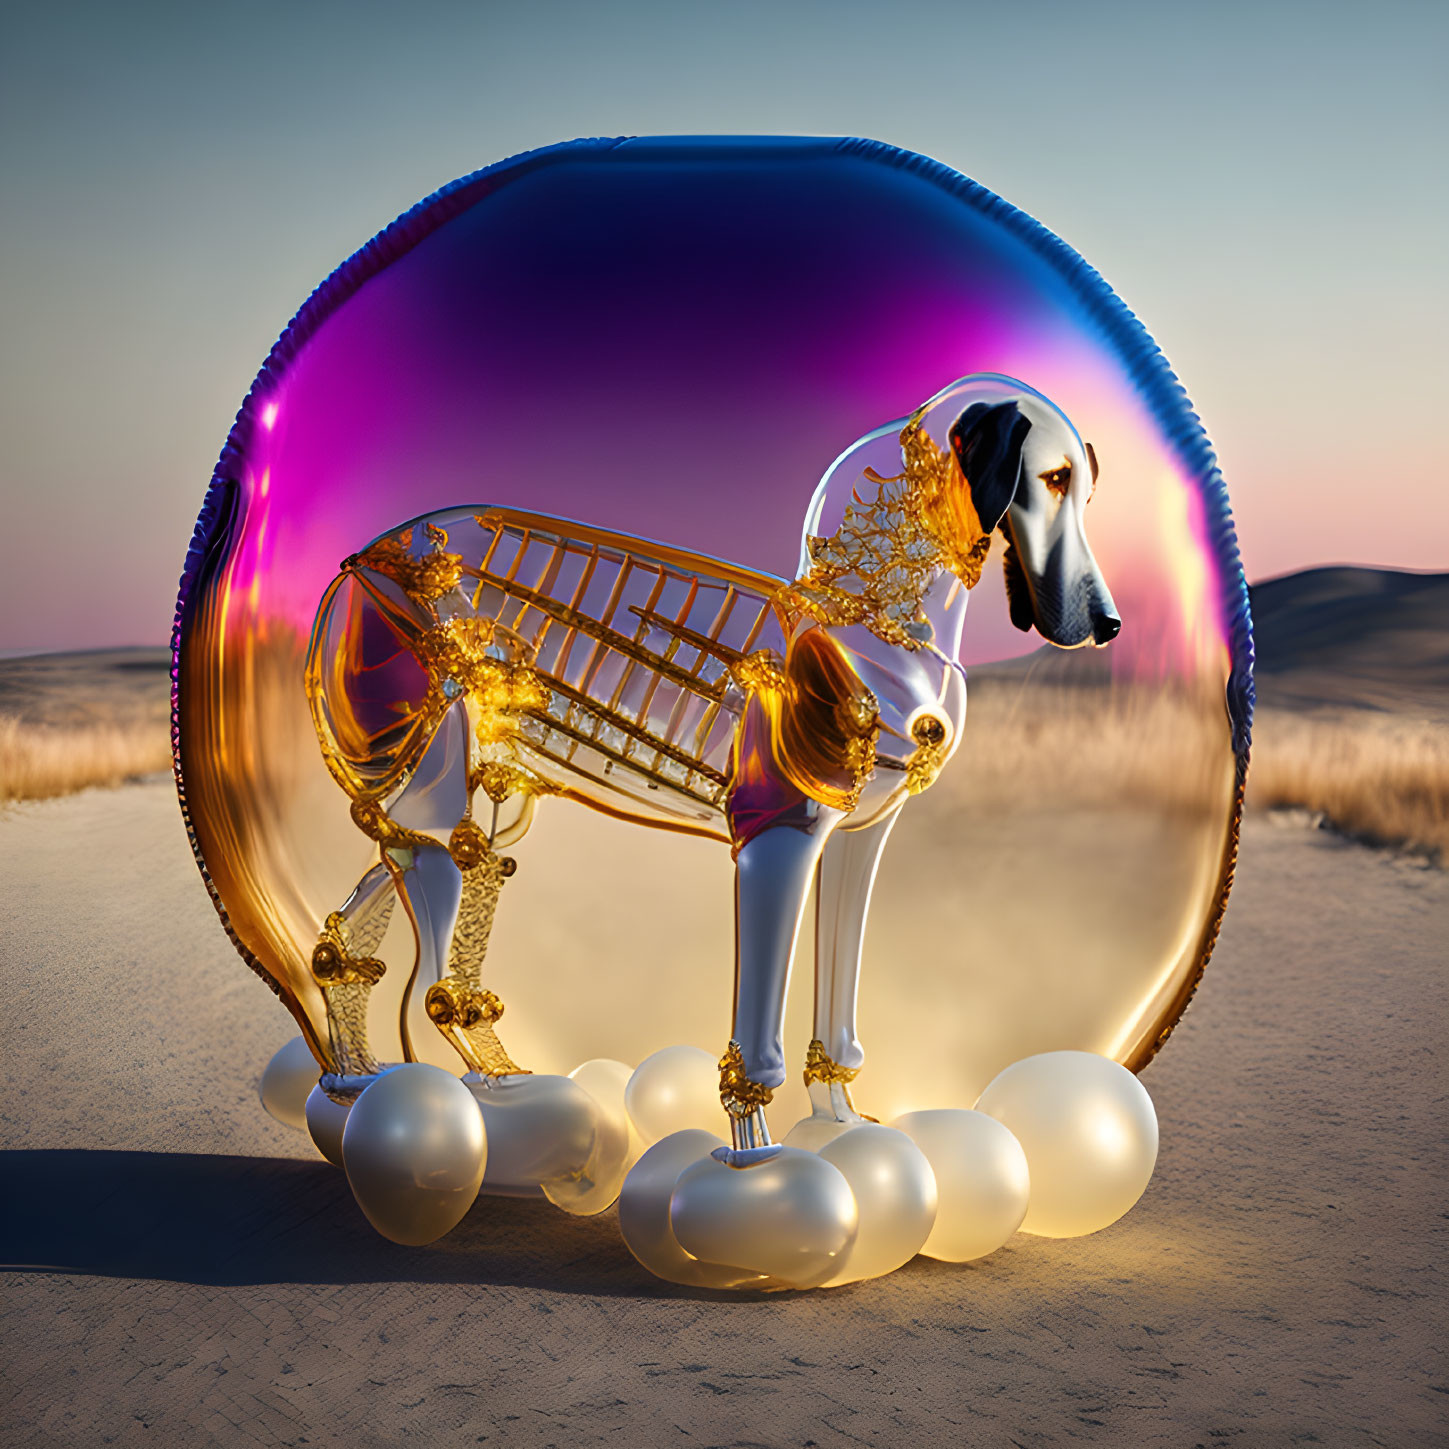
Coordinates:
<point>987,440</point>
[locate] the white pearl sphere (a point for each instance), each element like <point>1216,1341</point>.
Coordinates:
<point>617,1145</point>
<point>414,1150</point>
<point>289,1077</point>
<point>792,1217</point>
<point>644,1214</point>
<point>675,1090</point>
<point>1089,1132</point>
<point>811,1133</point>
<point>895,1196</point>
<point>325,1120</point>
<point>605,1080</point>
<point>981,1181</point>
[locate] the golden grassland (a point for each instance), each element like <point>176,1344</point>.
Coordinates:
<point>38,761</point>
<point>1382,778</point>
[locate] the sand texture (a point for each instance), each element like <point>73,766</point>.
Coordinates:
<point>184,1271</point>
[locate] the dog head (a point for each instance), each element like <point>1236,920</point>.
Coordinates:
<point>1032,476</point>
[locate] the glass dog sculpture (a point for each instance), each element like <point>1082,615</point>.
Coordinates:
<point>518,655</point>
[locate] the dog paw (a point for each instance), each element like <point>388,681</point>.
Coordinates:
<point>541,1129</point>
<point>644,1215</point>
<point>790,1216</point>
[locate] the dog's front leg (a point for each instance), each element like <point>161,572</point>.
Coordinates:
<point>773,874</point>
<point>847,876</point>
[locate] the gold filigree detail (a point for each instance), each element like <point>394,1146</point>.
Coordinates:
<point>821,1067</point>
<point>347,976</point>
<point>876,567</point>
<point>762,670</point>
<point>739,1094</point>
<point>375,823</point>
<point>929,757</point>
<point>462,657</point>
<point>347,1030</point>
<point>424,580</point>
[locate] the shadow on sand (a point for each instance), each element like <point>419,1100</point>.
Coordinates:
<point>185,1217</point>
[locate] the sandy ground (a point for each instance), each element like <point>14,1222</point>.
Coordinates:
<point>184,1271</point>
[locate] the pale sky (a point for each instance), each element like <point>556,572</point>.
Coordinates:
<point>1264,184</point>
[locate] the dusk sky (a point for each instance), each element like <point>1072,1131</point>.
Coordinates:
<point>1263,184</point>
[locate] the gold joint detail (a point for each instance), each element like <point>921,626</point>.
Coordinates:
<point>928,758</point>
<point>821,1067</point>
<point>470,848</point>
<point>449,1003</point>
<point>466,1015</point>
<point>500,781</point>
<point>762,670</point>
<point>334,965</point>
<point>740,1095</point>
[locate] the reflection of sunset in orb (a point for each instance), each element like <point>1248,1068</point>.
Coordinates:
<point>675,339</point>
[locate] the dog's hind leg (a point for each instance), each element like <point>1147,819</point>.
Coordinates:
<point>459,1005</point>
<point>773,874</point>
<point>847,876</point>
<point>345,967</point>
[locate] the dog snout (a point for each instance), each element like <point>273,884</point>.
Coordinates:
<point>1105,626</point>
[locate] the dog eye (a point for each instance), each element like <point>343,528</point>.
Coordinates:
<point>1058,480</point>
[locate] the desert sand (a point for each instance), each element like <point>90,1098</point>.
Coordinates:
<point>183,1270</point>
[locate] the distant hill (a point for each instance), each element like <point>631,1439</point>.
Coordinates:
<point>1330,637</point>
<point>122,687</point>
<point>1374,638</point>
<point>1326,638</point>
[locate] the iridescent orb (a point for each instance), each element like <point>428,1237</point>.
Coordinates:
<point>674,338</point>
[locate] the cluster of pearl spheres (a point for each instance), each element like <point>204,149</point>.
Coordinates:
<point>1060,1145</point>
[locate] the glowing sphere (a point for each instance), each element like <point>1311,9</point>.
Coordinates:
<point>675,338</point>
<point>895,1198</point>
<point>1089,1132</point>
<point>673,1090</point>
<point>617,1145</point>
<point>982,1182</point>
<point>814,1132</point>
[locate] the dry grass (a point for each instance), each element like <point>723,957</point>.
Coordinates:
<point>1382,778</point>
<point>1040,745</point>
<point>38,761</point>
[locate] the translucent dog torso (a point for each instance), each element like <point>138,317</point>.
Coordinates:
<point>589,663</point>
